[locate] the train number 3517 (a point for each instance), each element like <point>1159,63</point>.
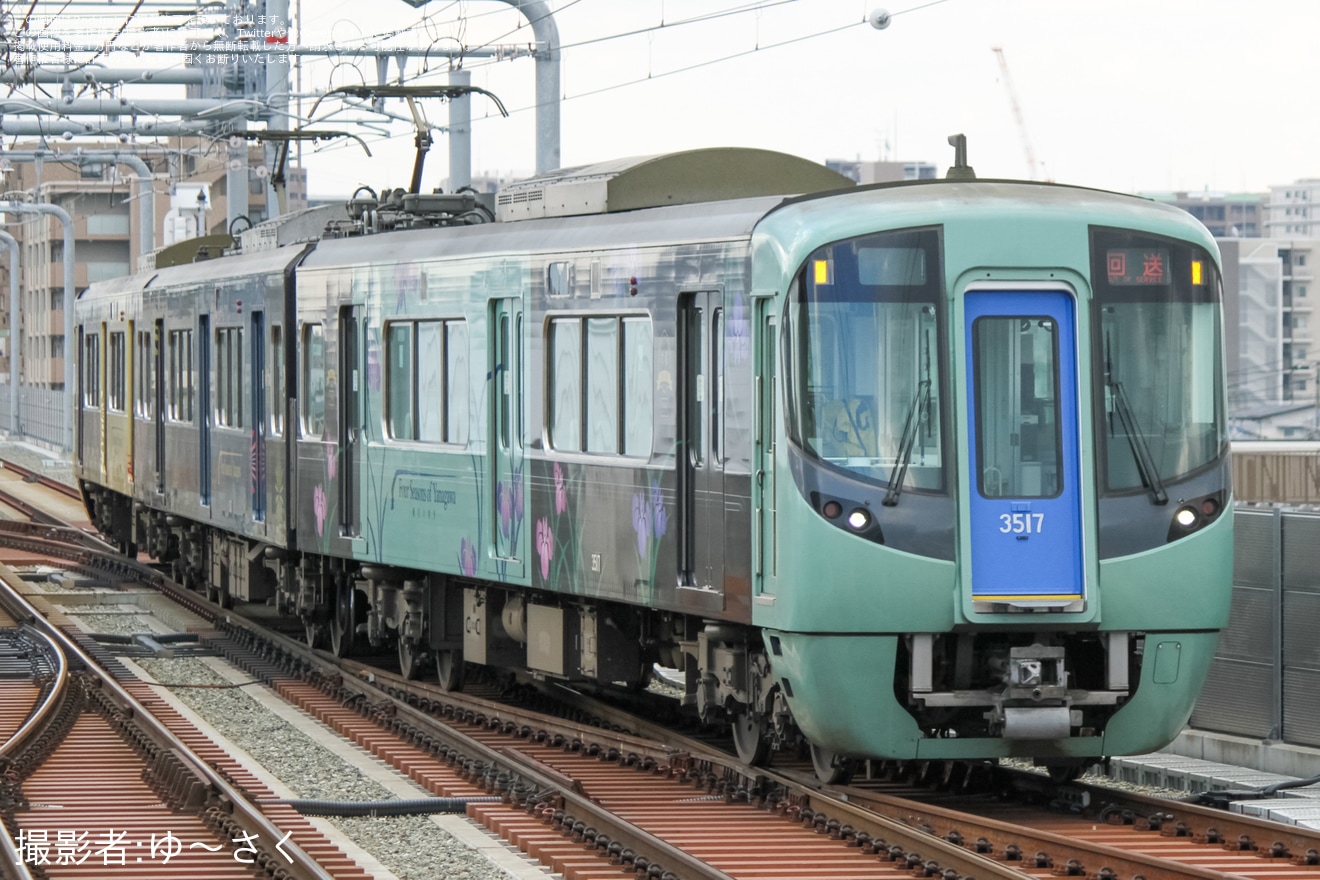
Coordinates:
<point>1021,523</point>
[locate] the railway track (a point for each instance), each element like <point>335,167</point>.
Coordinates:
<point>615,795</point>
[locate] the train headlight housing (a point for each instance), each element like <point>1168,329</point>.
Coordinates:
<point>1194,514</point>
<point>859,519</point>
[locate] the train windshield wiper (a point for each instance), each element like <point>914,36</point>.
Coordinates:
<point>1140,452</point>
<point>905,444</point>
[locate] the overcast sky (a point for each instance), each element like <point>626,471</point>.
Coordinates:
<point>1121,94</point>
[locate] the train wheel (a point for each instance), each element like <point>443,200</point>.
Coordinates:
<point>831,768</point>
<point>315,634</point>
<point>344,623</point>
<point>411,658</point>
<point>449,669</point>
<point>749,739</point>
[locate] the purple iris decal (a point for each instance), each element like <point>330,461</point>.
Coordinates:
<point>642,522</point>
<point>467,557</point>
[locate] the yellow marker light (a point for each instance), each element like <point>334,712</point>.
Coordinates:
<point>1196,271</point>
<point>823,272</point>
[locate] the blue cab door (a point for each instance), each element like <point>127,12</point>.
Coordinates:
<point>1026,513</point>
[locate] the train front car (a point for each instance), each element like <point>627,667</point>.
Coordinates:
<point>996,517</point>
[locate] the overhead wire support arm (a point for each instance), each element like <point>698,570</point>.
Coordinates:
<point>283,139</point>
<point>411,94</point>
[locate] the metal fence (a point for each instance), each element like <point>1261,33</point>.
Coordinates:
<point>1265,679</point>
<point>43,415</point>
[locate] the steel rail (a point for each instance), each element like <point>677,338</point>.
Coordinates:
<point>302,867</point>
<point>36,721</point>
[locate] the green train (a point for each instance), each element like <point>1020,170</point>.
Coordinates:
<point>931,470</point>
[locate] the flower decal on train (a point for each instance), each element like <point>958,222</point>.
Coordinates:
<point>545,546</point>
<point>650,522</point>
<point>467,558</point>
<point>561,494</point>
<point>318,507</point>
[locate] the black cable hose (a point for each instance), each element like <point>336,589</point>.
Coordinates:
<point>410,807</point>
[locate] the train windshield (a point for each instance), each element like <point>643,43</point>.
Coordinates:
<point>1157,360</point>
<point>865,328</point>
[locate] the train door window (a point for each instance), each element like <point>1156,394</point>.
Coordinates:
<point>603,385</point>
<point>637,384</point>
<point>399,379</point>
<point>505,386</point>
<point>92,371</point>
<point>313,380</point>
<point>229,376</point>
<point>456,374</point>
<point>717,387</point>
<point>566,384</point>
<point>115,377</point>
<point>146,376</point>
<point>1018,440</point>
<point>277,381</point>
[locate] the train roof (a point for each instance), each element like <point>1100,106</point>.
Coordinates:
<point>691,176</point>
<point>689,224</point>
<point>187,274</point>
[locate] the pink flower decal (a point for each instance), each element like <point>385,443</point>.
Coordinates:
<point>331,461</point>
<point>561,495</point>
<point>545,546</point>
<point>318,506</point>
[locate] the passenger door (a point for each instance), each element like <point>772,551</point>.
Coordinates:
<point>350,372</point>
<point>257,380</point>
<point>504,403</point>
<point>700,470</point>
<point>158,391</point>
<point>1025,510</point>
<point>204,413</point>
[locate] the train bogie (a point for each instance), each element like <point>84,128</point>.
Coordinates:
<point>929,471</point>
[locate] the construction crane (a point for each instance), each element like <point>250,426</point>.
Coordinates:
<point>1017,112</point>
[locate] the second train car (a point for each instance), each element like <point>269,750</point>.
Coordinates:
<point>933,470</point>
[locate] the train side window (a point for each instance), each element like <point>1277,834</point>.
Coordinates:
<point>430,381</point>
<point>313,380</point>
<point>456,373</point>
<point>229,376</point>
<point>398,379</point>
<point>146,376</point>
<point>565,350</point>
<point>601,385</point>
<point>426,376</point>
<point>92,371</point>
<point>181,377</point>
<point>277,380</point>
<point>115,370</point>
<point>638,421</point>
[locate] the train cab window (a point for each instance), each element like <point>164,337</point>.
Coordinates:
<point>229,388</point>
<point>426,381</point>
<point>1156,342</point>
<point>600,381</point>
<point>313,381</point>
<point>864,325</point>
<point>115,370</point>
<point>92,371</point>
<point>277,381</point>
<point>182,378</point>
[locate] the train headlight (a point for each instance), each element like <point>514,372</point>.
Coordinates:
<point>1186,517</point>
<point>859,519</point>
